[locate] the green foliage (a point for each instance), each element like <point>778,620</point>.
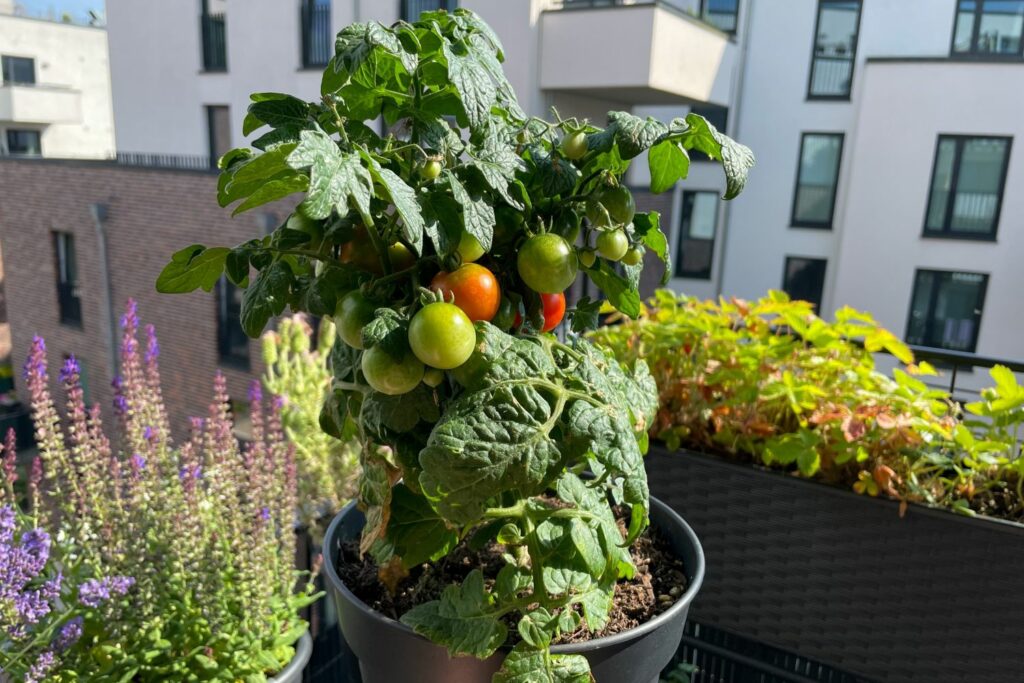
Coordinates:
<point>486,448</point>
<point>770,381</point>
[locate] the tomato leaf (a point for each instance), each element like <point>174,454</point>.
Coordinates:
<point>266,297</point>
<point>415,532</point>
<point>336,178</point>
<point>477,214</point>
<point>668,163</point>
<point>737,159</point>
<point>193,267</point>
<point>525,664</point>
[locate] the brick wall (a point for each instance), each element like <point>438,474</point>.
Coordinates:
<point>150,214</point>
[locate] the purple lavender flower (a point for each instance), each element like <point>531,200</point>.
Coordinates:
<point>130,319</point>
<point>42,666</point>
<point>255,392</point>
<point>35,545</point>
<point>120,585</point>
<point>138,463</point>
<point>70,371</point>
<point>94,592</point>
<point>35,364</point>
<point>265,513</point>
<point>194,472</point>
<point>69,634</point>
<point>152,346</point>
<point>6,527</point>
<point>148,433</point>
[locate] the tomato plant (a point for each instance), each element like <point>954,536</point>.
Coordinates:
<point>467,191</point>
<point>612,244</point>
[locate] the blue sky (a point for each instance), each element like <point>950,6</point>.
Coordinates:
<point>76,8</point>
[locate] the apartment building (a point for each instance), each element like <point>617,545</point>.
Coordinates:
<point>54,88</point>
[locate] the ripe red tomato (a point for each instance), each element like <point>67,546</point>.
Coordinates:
<point>475,289</point>
<point>554,311</point>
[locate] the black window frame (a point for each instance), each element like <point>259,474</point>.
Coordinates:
<point>824,275</point>
<point>213,40</point>
<point>814,49</point>
<point>316,41</point>
<point>21,131</point>
<point>946,232</point>
<point>6,60</point>
<point>931,305</point>
<point>704,14</point>
<point>228,317</point>
<point>677,270</point>
<point>973,53</point>
<point>67,276</point>
<point>817,225</point>
<point>447,5</point>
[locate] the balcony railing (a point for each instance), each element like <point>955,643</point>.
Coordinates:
<point>315,24</point>
<point>830,76</point>
<point>215,45</point>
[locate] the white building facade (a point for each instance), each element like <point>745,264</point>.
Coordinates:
<point>889,173</point>
<point>54,88</point>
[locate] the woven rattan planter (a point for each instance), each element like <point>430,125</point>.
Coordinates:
<point>931,597</point>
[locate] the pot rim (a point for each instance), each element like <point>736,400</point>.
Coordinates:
<point>303,653</point>
<point>681,603</point>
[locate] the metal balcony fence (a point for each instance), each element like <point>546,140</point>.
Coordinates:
<point>831,76</point>
<point>315,25</point>
<point>215,47</point>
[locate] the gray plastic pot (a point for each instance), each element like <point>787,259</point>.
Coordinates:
<point>293,672</point>
<point>388,651</point>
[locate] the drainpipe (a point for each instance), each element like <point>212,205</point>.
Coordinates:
<point>746,10</point>
<point>99,217</point>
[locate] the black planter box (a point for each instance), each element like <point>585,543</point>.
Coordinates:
<point>842,578</point>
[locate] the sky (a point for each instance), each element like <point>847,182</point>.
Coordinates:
<point>76,8</point>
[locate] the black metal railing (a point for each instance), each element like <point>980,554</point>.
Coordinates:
<point>315,25</point>
<point>411,9</point>
<point>830,76</point>
<point>187,162</point>
<point>215,43</point>
<point>954,364</point>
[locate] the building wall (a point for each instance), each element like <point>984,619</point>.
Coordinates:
<point>73,57</point>
<point>903,108</point>
<point>151,213</point>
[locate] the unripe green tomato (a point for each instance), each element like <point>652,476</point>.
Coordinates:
<point>442,335</point>
<point>620,204</point>
<point>469,248</point>
<point>547,263</point>
<point>612,244</point>
<point>431,169</point>
<point>633,256</point>
<point>390,376</point>
<point>567,224</point>
<point>588,257</point>
<point>598,215</point>
<point>433,377</point>
<point>574,146</point>
<point>353,313</point>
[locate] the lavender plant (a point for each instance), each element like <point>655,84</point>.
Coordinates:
<point>298,372</point>
<point>205,527</point>
<point>46,606</point>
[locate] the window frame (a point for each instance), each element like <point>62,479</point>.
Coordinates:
<point>3,73</point>
<point>225,356</point>
<point>69,316</point>
<point>811,97</point>
<point>677,273</point>
<point>704,4</point>
<point>817,225</point>
<point>7,142</point>
<point>973,54</point>
<point>824,277</point>
<point>946,232</point>
<point>931,306</point>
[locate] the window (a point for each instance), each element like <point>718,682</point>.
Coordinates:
<point>69,301</point>
<point>815,196</point>
<point>717,116</point>
<point>218,130</point>
<point>411,9</point>
<point>945,309</point>
<point>697,235</point>
<point>835,49</point>
<point>967,187</point>
<point>24,142</point>
<point>232,344</point>
<point>215,41</point>
<point>804,279</point>
<point>317,40</point>
<point>721,14</point>
<point>18,70</point>
<point>988,28</point>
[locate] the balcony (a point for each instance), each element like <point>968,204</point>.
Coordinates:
<point>651,52</point>
<point>41,104</point>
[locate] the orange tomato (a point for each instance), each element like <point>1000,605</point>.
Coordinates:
<point>475,289</point>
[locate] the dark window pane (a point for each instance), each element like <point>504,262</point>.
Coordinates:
<point>835,48</point>
<point>69,302</point>
<point>945,309</point>
<point>412,9</point>
<point>721,14</point>
<point>989,27</point>
<point>317,39</point>
<point>215,41</point>
<point>816,180</point>
<point>232,342</point>
<point>967,186</point>
<point>218,121</point>
<point>804,279</point>
<point>18,69</point>
<point>697,235</point>
<point>24,142</point>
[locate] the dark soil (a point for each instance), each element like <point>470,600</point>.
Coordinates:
<point>660,579</point>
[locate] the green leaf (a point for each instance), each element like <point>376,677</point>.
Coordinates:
<point>465,619</point>
<point>193,267</point>
<point>647,229</point>
<point>415,532</point>
<point>236,266</point>
<point>336,178</point>
<point>355,43</point>
<point>266,297</point>
<point>737,159</point>
<point>276,110</point>
<point>389,329</point>
<point>585,315</point>
<point>620,294</point>
<point>525,664</point>
<point>404,199</point>
<point>634,134</point>
<point>384,415</point>
<point>557,175</point>
<point>477,214</point>
<point>472,81</point>
<point>271,191</point>
<point>496,161</point>
<point>668,163</point>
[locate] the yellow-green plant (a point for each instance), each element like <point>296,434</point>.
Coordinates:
<point>296,370</point>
